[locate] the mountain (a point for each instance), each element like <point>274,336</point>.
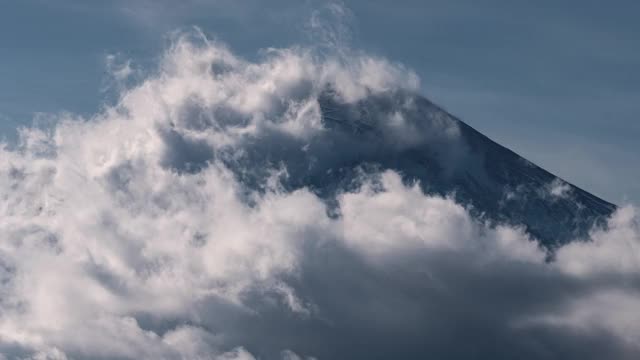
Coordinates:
<point>405,132</point>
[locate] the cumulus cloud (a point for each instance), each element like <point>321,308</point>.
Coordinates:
<point>168,227</point>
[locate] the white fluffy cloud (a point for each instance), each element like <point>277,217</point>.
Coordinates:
<point>131,235</point>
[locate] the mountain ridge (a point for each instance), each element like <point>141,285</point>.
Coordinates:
<point>403,131</point>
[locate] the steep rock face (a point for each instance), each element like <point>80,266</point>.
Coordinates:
<point>407,133</point>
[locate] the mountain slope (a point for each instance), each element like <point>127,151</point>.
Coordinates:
<point>405,132</point>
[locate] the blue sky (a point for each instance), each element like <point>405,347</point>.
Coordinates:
<point>558,82</point>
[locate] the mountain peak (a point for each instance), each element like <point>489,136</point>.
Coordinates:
<point>404,132</point>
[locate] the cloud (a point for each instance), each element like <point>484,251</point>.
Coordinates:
<point>119,71</point>
<point>174,225</point>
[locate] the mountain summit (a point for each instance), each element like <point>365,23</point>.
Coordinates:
<point>405,132</point>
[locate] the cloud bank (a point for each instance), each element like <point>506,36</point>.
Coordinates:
<point>157,229</point>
